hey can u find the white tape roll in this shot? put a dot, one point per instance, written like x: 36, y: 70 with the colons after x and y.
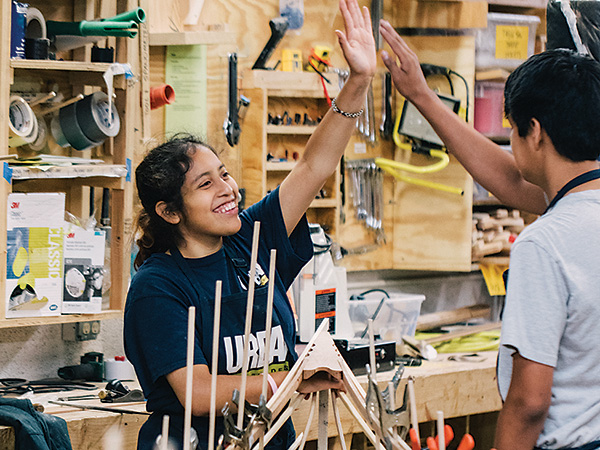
x: 41, y: 139
x: 21, y: 122
x: 36, y: 24
x: 119, y: 370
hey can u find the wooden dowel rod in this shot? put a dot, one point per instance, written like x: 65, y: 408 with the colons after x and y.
x: 269, y: 320
x: 392, y: 397
x: 372, y: 361
x: 313, y: 407
x: 338, y: 421
x: 283, y: 417
x: 62, y: 104
x: 189, y: 379
x: 413, y: 406
x: 215, y: 366
x: 248, y: 325
x: 42, y: 99
x: 440, y: 431
x: 164, y: 436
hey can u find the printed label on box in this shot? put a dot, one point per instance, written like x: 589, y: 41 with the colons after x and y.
x: 34, y: 254
x: 84, y: 271
x: 34, y: 272
x: 511, y: 42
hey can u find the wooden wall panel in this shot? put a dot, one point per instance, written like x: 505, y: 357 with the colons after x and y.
x: 432, y: 229
x: 432, y: 14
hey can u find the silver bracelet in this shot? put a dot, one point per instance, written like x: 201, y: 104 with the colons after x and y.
x: 352, y: 115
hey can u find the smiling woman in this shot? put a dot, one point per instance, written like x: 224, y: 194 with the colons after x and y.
x: 191, y: 235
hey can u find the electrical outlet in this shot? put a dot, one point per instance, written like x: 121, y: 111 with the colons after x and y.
x: 81, y: 331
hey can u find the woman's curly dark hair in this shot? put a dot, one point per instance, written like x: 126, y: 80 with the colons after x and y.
x: 159, y: 178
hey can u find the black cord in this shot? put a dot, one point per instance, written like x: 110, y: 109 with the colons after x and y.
x: 467, y: 89
x: 449, y: 78
x: 319, y: 249
x: 375, y: 290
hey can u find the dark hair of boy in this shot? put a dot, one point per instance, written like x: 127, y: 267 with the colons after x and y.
x: 561, y: 89
x: 159, y: 178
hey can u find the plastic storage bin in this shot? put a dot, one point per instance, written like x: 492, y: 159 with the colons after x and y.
x: 489, y: 110
x: 397, y: 316
x: 508, y: 40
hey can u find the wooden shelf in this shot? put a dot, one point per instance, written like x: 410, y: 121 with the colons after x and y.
x: 66, y: 318
x: 520, y: 3
x: 79, y: 73
x: 324, y: 203
x: 192, y: 38
x: 75, y: 171
x: 72, y: 66
x: 280, y: 166
x: 492, y: 75
x: 290, y: 84
x: 291, y: 129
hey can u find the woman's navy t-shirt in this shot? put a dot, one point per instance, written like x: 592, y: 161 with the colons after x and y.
x: 156, y: 313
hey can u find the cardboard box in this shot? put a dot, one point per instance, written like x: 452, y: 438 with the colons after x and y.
x: 84, y: 270
x: 34, y: 272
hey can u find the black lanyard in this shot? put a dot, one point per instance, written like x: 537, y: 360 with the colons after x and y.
x: 577, y: 181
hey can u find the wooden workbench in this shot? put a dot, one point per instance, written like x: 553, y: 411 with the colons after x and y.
x: 458, y: 388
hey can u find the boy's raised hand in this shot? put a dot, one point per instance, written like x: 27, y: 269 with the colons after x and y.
x: 357, y: 41
x: 406, y: 72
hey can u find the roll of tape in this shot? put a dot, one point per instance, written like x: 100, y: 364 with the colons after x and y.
x: 35, y: 27
x: 41, y: 138
x: 95, y: 118
x: 71, y: 130
x: 118, y: 370
x: 34, y: 131
x: 21, y: 122
x: 37, y: 48
x: 57, y: 132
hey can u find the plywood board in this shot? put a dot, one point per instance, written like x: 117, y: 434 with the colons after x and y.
x: 432, y: 229
x: 442, y: 14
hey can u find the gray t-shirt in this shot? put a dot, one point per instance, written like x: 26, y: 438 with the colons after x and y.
x: 552, y: 315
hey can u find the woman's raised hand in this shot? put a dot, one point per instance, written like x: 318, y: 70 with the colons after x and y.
x: 404, y: 67
x: 357, y: 40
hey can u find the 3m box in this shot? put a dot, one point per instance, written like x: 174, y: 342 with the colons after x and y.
x: 84, y: 270
x: 508, y: 40
x: 34, y: 271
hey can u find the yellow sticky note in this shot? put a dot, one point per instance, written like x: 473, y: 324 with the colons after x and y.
x: 511, y: 42
x: 492, y: 274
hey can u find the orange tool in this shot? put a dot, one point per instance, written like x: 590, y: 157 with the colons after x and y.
x: 448, y: 436
x: 466, y: 443
x: 432, y: 444
x: 414, y: 440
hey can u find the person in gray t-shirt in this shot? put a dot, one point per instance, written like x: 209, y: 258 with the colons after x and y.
x: 549, y: 361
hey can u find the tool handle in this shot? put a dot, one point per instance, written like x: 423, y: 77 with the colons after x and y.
x: 448, y: 435
x: 92, y: 28
x: 467, y: 443
x: 138, y: 15
x: 278, y: 26
x: 432, y: 444
x: 415, y: 444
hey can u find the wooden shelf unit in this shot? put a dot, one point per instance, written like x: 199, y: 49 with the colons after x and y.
x: 73, y: 75
x: 276, y: 92
x: 191, y: 38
